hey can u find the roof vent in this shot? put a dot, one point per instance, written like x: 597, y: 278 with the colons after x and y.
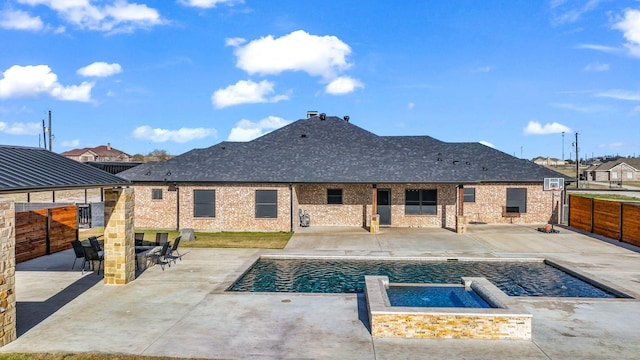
x: 323, y: 116
x: 346, y: 118
x: 303, y: 135
x: 456, y: 162
x: 311, y: 114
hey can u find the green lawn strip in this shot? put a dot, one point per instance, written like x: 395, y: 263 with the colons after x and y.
x: 262, y: 240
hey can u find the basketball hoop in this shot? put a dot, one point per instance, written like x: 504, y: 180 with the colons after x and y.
x: 556, y: 191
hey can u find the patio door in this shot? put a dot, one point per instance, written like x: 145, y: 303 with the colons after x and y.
x: 384, y: 206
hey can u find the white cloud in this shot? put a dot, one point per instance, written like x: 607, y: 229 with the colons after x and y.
x: 601, y: 48
x: 20, y: 20
x: 629, y: 24
x: 118, y: 16
x: 33, y: 80
x: 206, y: 4
x: 100, y: 69
x: 20, y: 128
x: 246, y: 130
x: 482, y: 69
x: 486, y: 143
x: 535, y: 128
x: 620, y: 95
x: 324, y: 56
x: 596, y: 66
x: 343, y: 85
x: 563, y: 14
x: 591, y: 108
x: 245, y: 92
x: 71, y: 143
x: 410, y: 105
x: 181, y: 135
x: 234, y: 42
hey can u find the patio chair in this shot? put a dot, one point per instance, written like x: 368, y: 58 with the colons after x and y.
x: 94, y: 242
x: 139, y: 239
x: 79, y: 252
x: 91, y: 255
x: 173, y: 253
x: 161, y: 238
x: 160, y: 258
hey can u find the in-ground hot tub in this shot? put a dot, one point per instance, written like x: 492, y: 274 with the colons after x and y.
x: 476, y: 309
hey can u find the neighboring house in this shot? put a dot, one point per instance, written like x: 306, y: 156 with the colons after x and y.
x: 102, y: 153
x: 548, y: 161
x: 338, y: 173
x: 619, y: 170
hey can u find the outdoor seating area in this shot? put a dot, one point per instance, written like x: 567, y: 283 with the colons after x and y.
x: 148, y: 253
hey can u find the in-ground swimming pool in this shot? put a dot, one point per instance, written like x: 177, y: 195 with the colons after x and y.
x: 311, y: 275
x: 435, y: 296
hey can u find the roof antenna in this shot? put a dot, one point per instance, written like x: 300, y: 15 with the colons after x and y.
x: 323, y: 116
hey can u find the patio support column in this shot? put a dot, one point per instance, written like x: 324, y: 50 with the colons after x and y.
x: 7, y: 272
x: 374, y: 227
x: 460, y: 219
x: 119, y: 251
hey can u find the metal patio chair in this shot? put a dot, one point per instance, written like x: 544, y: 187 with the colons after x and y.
x: 79, y: 252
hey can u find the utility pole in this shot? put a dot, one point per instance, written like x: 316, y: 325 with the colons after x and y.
x: 563, y: 159
x: 577, y: 164
x: 50, y: 134
x: 44, y: 134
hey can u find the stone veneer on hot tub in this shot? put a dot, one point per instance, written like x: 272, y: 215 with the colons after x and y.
x: 506, y: 320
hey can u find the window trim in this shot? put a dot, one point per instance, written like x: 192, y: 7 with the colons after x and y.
x: 471, y: 195
x: 155, y: 192
x: 196, y: 214
x: 264, y: 204
x: 425, y: 205
x: 337, y: 198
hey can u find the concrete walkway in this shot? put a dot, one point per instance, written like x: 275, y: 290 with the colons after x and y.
x: 183, y: 311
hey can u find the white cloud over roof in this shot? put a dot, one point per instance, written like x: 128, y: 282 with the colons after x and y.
x: 206, y: 4
x: 113, y: 17
x: 20, y: 128
x: 246, y: 130
x: 298, y: 51
x: 100, y: 69
x: 35, y: 80
x: 343, y: 85
x: 181, y: 135
x: 629, y: 24
x: 535, y: 128
x: 246, y: 92
x: 20, y: 20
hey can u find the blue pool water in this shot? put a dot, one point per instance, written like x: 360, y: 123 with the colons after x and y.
x: 435, y: 296
x: 532, y: 278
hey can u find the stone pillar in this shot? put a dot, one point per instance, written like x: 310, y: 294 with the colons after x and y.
x: 7, y: 272
x: 119, y: 250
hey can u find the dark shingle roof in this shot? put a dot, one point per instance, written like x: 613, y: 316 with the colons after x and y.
x: 32, y: 169
x: 334, y: 150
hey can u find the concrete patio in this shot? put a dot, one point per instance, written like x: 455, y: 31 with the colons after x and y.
x: 183, y: 311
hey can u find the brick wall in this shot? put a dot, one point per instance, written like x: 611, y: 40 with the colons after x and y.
x: 235, y: 206
x: 491, y: 198
x: 7, y: 273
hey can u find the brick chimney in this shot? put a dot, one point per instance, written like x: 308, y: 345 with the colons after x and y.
x: 108, y: 146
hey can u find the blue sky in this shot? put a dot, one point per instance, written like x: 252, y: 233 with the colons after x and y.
x: 183, y: 74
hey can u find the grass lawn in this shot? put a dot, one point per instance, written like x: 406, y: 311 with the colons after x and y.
x: 262, y: 240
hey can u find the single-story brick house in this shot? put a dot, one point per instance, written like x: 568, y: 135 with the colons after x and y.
x: 620, y: 170
x: 340, y: 174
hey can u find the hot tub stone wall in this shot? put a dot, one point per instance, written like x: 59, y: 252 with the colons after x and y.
x: 7, y: 272
x: 447, y: 326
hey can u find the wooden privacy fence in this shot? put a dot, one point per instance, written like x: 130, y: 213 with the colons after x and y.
x: 613, y: 219
x: 45, y: 231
